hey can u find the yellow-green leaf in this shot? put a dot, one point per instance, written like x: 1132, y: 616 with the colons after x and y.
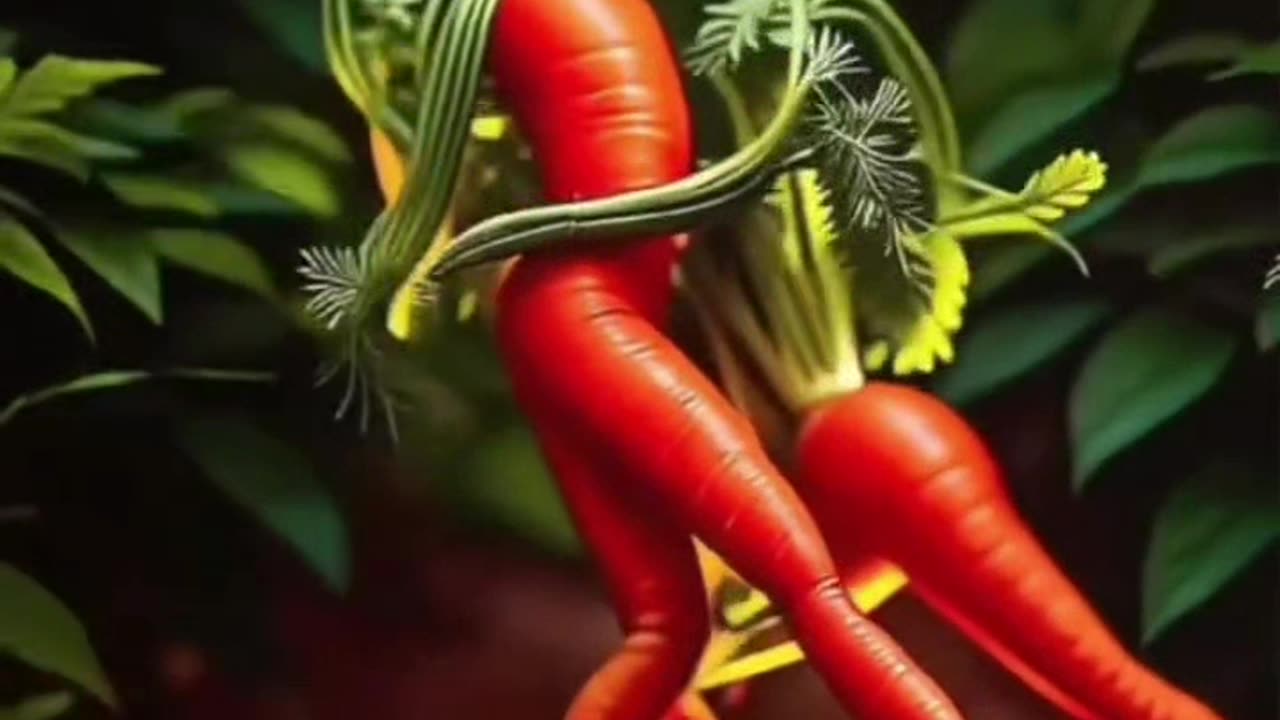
x: 1143, y: 373
x: 287, y: 173
x: 57, y: 80
x: 38, y: 629
x: 160, y: 192
x: 301, y: 129
x: 214, y: 254
x: 22, y: 255
x: 1208, y: 530
x: 125, y: 260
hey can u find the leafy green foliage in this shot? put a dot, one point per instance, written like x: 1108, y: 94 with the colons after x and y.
x: 213, y: 254
x: 28, y: 99
x: 147, y: 191
x: 1143, y: 373
x: 38, y: 629
x: 125, y: 261
x: 1211, y: 143
x: 1183, y: 253
x: 1242, y: 56
x: 1014, y: 341
x: 275, y: 484
x: 1209, y: 529
x: 22, y: 256
x: 732, y: 29
x: 1205, y: 146
x: 287, y: 173
x: 50, y: 116
x: 41, y: 707
x: 1069, y: 58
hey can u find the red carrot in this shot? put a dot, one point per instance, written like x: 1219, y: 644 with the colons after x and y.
x: 646, y: 449
x: 895, y: 472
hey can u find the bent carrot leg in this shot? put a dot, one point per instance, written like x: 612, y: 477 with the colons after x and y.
x: 632, y: 394
x: 927, y: 495
x: 654, y: 580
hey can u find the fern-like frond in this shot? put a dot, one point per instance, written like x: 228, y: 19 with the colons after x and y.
x: 1068, y: 183
x: 868, y: 155
x: 335, y: 278
x: 732, y: 28
x: 831, y: 57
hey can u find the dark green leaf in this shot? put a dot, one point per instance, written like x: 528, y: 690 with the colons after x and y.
x: 189, y: 106
x: 125, y: 260
x: 57, y: 80
x: 1070, y: 56
x: 1029, y: 117
x: 1267, y: 329
x: 1144, y: 372
x: 214, y: 254
x: 979, y: 76
x: 286, y: 173
x: 1213, y: 142
x: 236, y: 199
x: 160, y: 192
x: 275, y: 484
x: 22, y: 255
x: 109, y: 118
x: 1109, y: 27
x: 1262, y: 60
x: 1209, y: 529
x: 507, y: 481
x: 1015, y: 341
x: 1197, y: 49
x: 41, y: 707
x: 296, y: 27
x: 1177, y: 256
x: 38, y: 629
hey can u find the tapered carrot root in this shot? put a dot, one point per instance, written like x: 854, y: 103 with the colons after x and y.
x: 578, y: 333
x: 653, y: 578
x: 895, y: 472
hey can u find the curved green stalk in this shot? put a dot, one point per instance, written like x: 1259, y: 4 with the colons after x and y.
x: 677, y: 206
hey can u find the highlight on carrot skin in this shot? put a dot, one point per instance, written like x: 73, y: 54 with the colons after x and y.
x: 639, y: 360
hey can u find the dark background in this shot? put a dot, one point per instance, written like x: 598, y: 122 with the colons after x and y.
x: 471, y: 611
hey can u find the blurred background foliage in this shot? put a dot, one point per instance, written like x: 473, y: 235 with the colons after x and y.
x: 166, y: 465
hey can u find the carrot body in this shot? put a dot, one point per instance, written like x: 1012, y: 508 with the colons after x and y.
x: 625, y: 419
x: 895, y: 472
